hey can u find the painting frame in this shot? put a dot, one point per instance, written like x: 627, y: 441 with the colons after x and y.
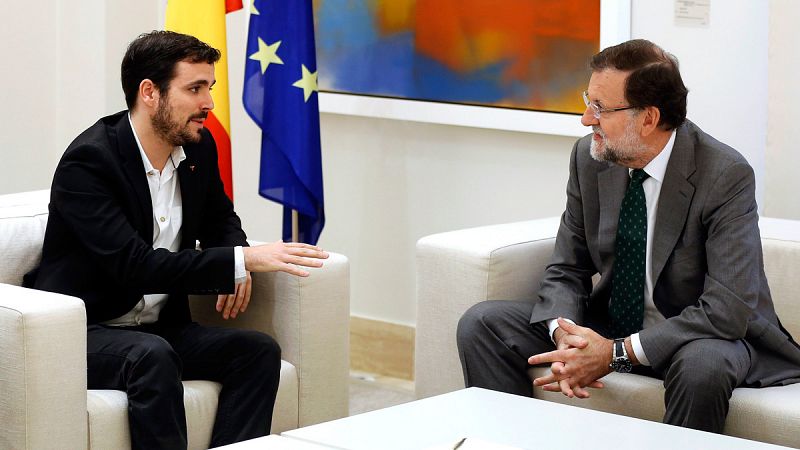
x: 615, y: 27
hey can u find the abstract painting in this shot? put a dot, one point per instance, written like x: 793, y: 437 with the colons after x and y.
x: 524, y: 54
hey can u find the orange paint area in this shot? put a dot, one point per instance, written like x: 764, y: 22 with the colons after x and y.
x: 527, y: 36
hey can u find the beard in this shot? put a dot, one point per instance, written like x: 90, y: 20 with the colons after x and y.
x: 625, y: 150
x: 171, y: 130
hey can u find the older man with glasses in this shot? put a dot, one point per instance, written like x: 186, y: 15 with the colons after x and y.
x: 666, y: 216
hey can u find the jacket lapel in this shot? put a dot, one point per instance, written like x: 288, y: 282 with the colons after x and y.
x: 673, y: 201
x: 611, y: 186
x: 134, y: 171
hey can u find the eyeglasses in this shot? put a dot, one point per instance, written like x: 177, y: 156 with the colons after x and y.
x: 597, y: 110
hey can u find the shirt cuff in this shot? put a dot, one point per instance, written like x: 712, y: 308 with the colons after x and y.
x: 638, y: 350
x: 552, y: 324
x: 239, y: 273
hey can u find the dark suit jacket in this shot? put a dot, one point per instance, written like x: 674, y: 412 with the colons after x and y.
x: 707, y: 261
x: 98, y: 245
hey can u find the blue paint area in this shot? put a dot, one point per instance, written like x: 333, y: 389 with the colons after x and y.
x: 341, y: 27
x: 436, y: 81
x: 381, y: 67
x: 390, y: 67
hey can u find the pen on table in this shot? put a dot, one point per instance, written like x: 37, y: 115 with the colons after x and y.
x: 459, y: 443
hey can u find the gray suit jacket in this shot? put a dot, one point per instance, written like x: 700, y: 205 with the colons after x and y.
x: 707, y: 261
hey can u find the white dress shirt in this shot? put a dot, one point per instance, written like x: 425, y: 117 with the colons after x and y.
x: 652, y: 190
x: 165, y: 195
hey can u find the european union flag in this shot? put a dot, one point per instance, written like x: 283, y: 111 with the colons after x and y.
x: 280, y: 85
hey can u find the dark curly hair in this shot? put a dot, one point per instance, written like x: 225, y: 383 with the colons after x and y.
x: 654, y: 80
x: 154, y: 56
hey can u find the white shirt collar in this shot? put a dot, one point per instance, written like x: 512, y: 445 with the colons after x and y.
x: 657, y: 167
x: 177, y: 154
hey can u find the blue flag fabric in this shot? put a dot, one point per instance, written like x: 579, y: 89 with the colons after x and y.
x: 280, y: 95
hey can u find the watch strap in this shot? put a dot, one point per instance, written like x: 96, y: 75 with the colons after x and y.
x: 619, y: 348
x: 619, y: 357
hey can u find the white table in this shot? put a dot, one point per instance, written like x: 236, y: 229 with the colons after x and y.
x: 271, y: 442
x: 508, y: 420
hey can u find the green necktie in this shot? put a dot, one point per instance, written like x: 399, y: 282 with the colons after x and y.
x: 628, y: 283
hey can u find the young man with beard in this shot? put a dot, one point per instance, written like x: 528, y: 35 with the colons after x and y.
x: 666, y: 216
x: 130, y: 198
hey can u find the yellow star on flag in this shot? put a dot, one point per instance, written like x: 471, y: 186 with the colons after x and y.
x: 308, y: 83
x: 253, y: 9
x: 267, y: 54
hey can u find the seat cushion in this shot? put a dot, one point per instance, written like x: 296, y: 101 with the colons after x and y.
x: 108, y: 412
x: 629, y: 395
x: 108, y: 416
x: 767, y: 414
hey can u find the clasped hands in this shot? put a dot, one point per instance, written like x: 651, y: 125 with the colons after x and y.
x: 273, y: 257
x: 581, y: 358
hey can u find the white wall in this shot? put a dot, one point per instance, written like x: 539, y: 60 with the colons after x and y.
x: 387, y: 183
x: 783, y: 154
x: 61, y: 73
x: 28, y: 79
x: 393, y: 182
x: 724, y: 66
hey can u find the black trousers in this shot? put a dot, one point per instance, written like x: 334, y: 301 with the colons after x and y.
x: 495, y: 339
x: 148, y: 362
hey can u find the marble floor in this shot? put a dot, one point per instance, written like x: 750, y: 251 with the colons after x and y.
x: 369, y: 392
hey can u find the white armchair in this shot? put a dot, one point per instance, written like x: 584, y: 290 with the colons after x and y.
x: 460, y: 268
x: 45, y: 404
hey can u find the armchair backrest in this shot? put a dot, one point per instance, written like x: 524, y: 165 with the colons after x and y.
x: 23, y: 218
x: 780, y: 239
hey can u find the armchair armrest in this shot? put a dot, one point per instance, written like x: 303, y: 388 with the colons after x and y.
x: 458, y: 269
x: 310, y: 319
x: 42, y: 370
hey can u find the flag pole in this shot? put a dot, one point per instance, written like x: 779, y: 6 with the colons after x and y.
x: 295, y: 226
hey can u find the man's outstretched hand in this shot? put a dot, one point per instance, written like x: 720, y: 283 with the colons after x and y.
x: 274, y: 257
x: 581, y: 358
x: 283, y: 257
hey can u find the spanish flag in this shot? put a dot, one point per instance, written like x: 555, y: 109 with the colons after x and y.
x: 205, y: 20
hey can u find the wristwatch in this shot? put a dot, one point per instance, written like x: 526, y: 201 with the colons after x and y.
x: 619, y: 358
